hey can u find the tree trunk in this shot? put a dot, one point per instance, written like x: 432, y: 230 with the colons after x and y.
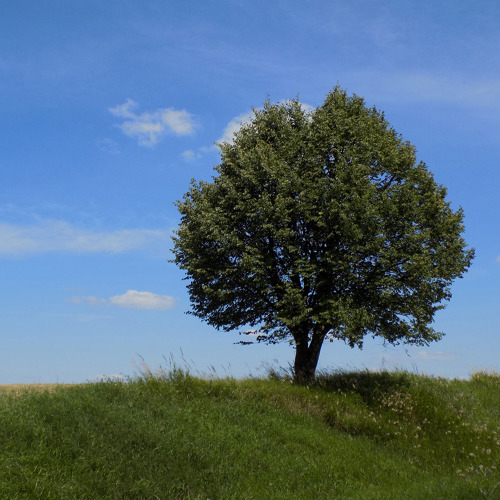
x: 306, y: 357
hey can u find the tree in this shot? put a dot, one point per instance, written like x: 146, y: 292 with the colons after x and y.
x: 319, y: 226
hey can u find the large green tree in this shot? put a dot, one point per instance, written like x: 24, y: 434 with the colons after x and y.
x: 320, y: 225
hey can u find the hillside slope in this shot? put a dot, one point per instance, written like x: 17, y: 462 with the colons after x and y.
x: 355, y: 435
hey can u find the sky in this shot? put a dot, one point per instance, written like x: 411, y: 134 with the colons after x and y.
x: 109, y: 109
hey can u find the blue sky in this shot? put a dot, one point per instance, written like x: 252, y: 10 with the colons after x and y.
x: 108, y: 109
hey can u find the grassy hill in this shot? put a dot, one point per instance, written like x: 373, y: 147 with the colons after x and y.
x: 355, y: 435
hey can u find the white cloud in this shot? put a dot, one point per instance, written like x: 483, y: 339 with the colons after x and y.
x: 149, y: 127
x: 124, y: 110
x: 234, y: 125
x: 60, y: 236
x: 131, y: 299
x: 307, y: 108
x: 190, y: 156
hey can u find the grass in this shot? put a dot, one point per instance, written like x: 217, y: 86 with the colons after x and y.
x: 358, y: 435
x: 19, y: 389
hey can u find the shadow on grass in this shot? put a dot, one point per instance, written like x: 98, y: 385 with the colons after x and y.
x: 369, y: 385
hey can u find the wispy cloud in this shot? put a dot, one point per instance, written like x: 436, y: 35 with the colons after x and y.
x: 190, y: 156
x: 89, y: 300
x: 60, y: 236
x: 149, y: 127
x: 107, y: 145
x: 131, y: 299
x: 432, y: 87
x: 412, y: 355
x: 434, y: 356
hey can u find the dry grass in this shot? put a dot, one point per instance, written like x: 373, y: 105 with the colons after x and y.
x: 22, y: 388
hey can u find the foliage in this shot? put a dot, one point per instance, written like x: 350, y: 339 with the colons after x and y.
x: 320, y: 225
x: 349, y: 435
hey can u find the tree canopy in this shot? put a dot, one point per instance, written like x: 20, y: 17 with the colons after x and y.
x: 320, y: 225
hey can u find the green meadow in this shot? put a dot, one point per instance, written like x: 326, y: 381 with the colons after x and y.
x: 170, y: 435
